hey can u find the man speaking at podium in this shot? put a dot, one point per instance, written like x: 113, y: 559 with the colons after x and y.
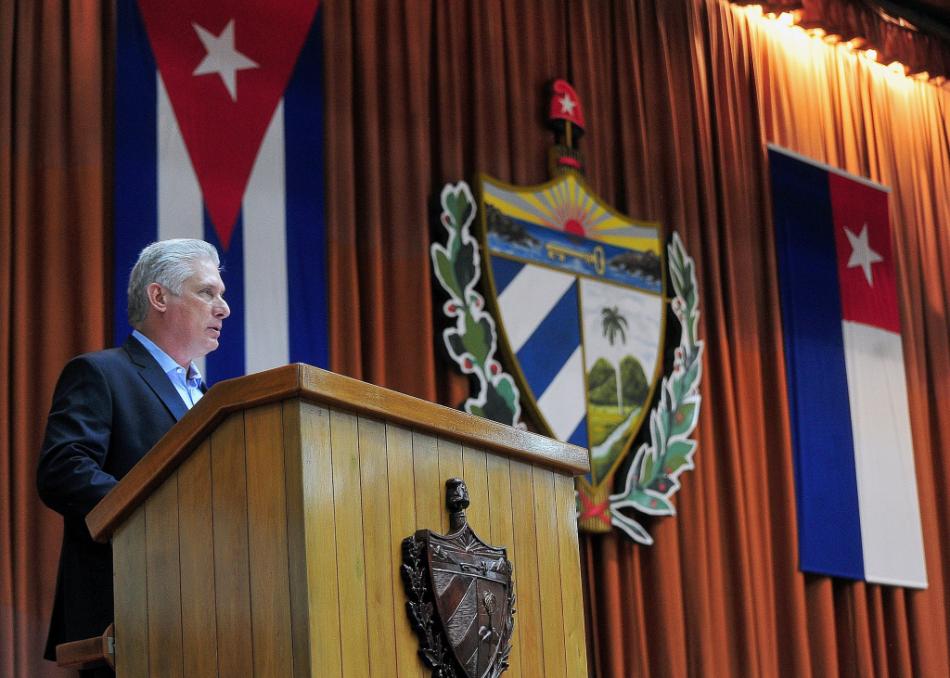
x: 110, y: 407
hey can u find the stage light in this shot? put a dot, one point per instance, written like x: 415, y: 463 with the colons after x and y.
x: 897, y: 68
x: 775, y: 22
x: 787, y: 19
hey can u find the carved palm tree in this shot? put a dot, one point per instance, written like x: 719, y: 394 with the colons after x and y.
x: 614, y: 324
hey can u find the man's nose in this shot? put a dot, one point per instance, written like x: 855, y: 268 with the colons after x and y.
x: 222, y: 310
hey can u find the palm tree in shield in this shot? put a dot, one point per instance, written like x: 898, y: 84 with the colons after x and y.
x: 614, y: 324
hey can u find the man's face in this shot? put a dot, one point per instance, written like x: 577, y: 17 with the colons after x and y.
x: 195, y: 316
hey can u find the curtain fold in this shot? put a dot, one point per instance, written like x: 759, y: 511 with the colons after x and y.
x: 680, y: 98
x: 55, y: 60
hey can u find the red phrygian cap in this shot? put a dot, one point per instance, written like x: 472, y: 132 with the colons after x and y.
x: 565, y: 104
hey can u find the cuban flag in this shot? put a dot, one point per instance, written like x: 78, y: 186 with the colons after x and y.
x: 219, y: 136
x: 858, y: 513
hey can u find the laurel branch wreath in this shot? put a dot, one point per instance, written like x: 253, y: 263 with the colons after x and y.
x: 422, y: 609
x: 473, y: 341
x: 653, y: 476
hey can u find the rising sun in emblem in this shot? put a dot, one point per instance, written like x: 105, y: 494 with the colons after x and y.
x: 569, y: 206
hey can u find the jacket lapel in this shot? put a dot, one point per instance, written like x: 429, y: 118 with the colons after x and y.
x: 157, y: 380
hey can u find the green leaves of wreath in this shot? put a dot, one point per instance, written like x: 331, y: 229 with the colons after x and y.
x: 473, y: 341
x: 653, y: 477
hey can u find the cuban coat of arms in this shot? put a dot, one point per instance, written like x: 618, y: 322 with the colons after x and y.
x: 577, y: 308
x: 461, y: 596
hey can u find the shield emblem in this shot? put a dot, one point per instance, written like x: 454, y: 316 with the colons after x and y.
x: 469, y: 584
x: 578, y: 291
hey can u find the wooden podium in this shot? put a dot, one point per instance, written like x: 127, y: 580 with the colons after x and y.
x: 262, y: 536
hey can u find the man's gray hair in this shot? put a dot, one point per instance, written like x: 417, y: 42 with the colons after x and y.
x: 168, y: 263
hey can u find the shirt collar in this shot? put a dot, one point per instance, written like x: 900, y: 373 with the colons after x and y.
x: 165, y: 361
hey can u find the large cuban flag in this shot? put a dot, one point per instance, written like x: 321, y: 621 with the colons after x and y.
x: 858, y: 514
x: 219, y: 136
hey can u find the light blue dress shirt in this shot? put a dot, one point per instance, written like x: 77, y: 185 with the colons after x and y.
x: 188, y: 384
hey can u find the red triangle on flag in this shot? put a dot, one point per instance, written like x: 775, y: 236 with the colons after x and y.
x: 225, y: 65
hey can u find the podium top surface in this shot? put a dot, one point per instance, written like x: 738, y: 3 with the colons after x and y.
x: 319, y: 386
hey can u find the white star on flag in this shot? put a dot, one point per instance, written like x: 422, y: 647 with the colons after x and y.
x: 567, y: 104
x: 861, y: 253
x: 222, y: 58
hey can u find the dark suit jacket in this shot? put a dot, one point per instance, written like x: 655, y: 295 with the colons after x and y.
x: 109, y: 409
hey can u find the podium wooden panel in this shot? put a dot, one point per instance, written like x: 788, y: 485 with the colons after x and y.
x: 262, y: 536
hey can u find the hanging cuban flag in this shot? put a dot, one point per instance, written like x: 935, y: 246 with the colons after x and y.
x: 856, y: 489
x: 219, y: 136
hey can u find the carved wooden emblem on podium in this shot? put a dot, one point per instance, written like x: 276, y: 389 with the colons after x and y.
x: 461, y: 596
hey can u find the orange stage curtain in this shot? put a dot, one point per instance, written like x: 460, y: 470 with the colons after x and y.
x: 680, y: 97
x: 719, y: 594
x: 55, y: 148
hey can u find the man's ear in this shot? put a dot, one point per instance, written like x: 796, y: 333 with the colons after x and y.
x: 157, y: 297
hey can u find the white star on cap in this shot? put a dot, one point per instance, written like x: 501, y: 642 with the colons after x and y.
x: 861, y: 253
x: 567, y: 104
x: 222, y: 58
